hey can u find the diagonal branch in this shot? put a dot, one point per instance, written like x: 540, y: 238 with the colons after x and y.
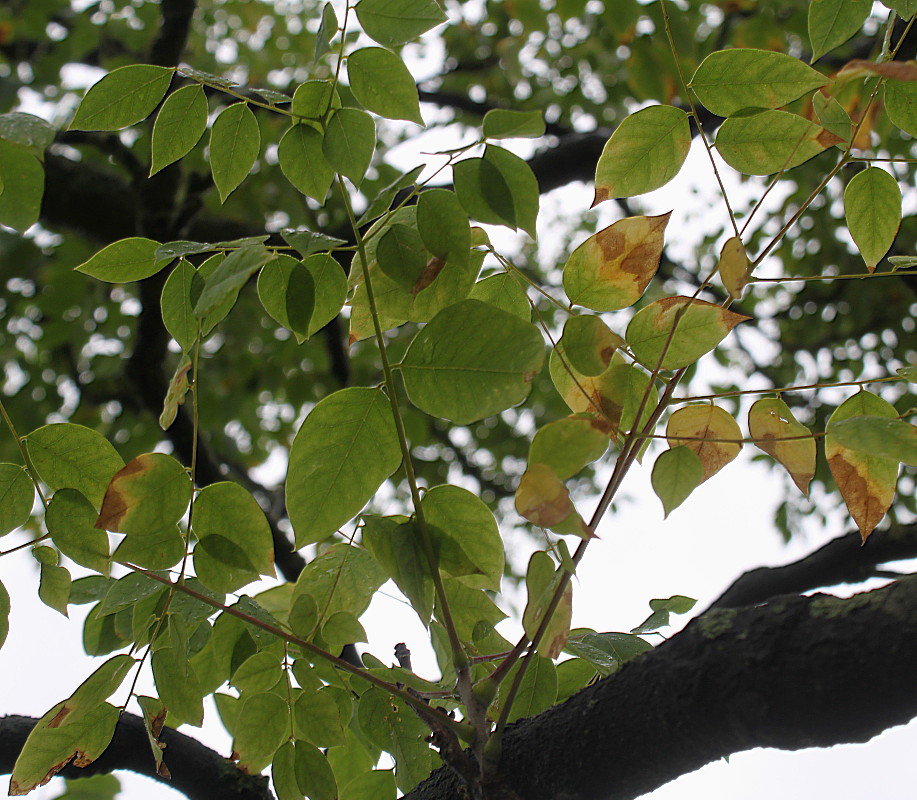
x: 798, y: 672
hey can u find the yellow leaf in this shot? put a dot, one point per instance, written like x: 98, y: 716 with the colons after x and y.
x: 733, y: 267
x: 543, y: 500
x: 709, y: 431
x: 769, y: 422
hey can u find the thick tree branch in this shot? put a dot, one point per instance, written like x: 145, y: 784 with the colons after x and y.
x: 197, y: 771
x: 842, y: 560
x: 799, y: 672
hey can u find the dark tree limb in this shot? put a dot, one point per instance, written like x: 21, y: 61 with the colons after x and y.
x: 197, y: 771
x: 842, y: 560
x: 798, y: 672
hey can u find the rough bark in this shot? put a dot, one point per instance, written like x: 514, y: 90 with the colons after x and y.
x: 797, y: 672
x: 197, y: 771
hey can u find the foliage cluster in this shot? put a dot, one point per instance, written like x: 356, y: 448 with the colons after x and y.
x: 453, y: 340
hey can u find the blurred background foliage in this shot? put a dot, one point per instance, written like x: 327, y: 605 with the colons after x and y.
x: 69, y: 344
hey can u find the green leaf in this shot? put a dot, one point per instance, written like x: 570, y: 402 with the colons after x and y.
x: 541, y: 583
x: 699, y: 327
x: 384, y: 199
x: 833, y: 22
x: 728, y: 81
x: 262, y: 726
x: 612, y: 268
x: 401, y: 255
x: 313, y: 99
x: 383, y: 84
x: 235, y: 141
x: 124, y: 97
x: 470, y: 607
x: 676, y: 473
x: 70, y: 519
x: 48, y: 749
x: 22, y: 180
x: 283, y: 769
x: 150, y: 493
x: 179, y: 125
x: 71, y: 456
x: 128, y: 591
x: 903, y: 8
x: 124, y: 261
x: 27, y: 130
x: 645, y: 152
x: 303, y: 615
x: 872, y: 207
x: 443, y: 226
x: 498, y: 189
x: 343, y: 578
x: 4, y: 613
x: 607, y: 651
x: 327, y: 30
x: 588, y: 344
x: 379, y: 784
x: 396, y: 546
x: 346, y: 447
x: 222, y: 286
x: 567, y: 445
x: 54, y: 587
x: 303, y: 162
x: 152, y: 549
x: 348, y: 143
x: 505, y: 292
x: 228, y: 512
x: 330, y: 290
x: 465, y: 535
x: 16, y: 497
x: 537, y: 689
x: 318, y: 717
x: 394, y: 22
x: 178, y: 686
x: 314, y: 775
x: 177, y: 306
x: 833, y: 117
x: 765, y: 143
x: 287, y: 292
x: 342, y: 628
x: 900, y: 105
x: 99, y: 686
x: 880, y: 437
x: 500, y: 123
x: 471, y: 361
x: 307, y: 242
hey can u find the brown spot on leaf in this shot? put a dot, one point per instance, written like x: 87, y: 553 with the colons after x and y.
x: 601, y: 195
x: 827, y: 139
x: 115, y: 505
x: 59, y: 717
x: 430, y: 271
x: 893, y: 70
x: 865, y: 505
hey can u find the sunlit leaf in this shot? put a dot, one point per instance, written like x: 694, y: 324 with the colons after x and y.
x: 70, y: 519
x: 676, y: 473
x: 698, y: 328
x: 343, y: 578
x: 346, y: 447
x: 148, y: 494
x: 124, y: 261
x: 612, y: 268
x: 470, y: 361
x: 177, y: 305
x: 770, y: 421
x: 866, y: 482
x: 72, y: 456
x: 644, y: 153
x: 733, y: 267
x: 383, y: 84
x: 543, y: 500
x: 501, y: 123
x: 878, y: 436
x: 222, y: 286
x: 728, y: 81
x: 709, y: 432
x: 765, y: 143
x: 567, y: 445
x: 901, y: 105
x: 394, y: 22
x: 123, y: 97
x: 903, y: 8
x: 505, y: 292
x: 872, y: 207
x: 833, y: 117
x: 833, y: 22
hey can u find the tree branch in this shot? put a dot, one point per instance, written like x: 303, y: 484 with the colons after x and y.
x: 798, y: 672
x: 842, y: 560
x: 197, y: 771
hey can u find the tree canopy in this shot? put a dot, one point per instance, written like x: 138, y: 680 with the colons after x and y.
x: 286, y: 296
